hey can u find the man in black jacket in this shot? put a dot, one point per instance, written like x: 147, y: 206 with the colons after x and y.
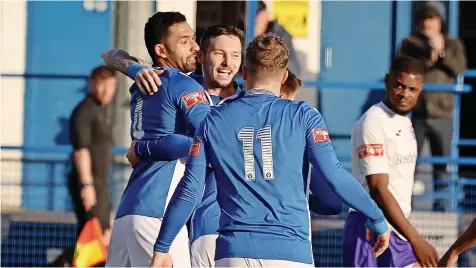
x: 444, y: 59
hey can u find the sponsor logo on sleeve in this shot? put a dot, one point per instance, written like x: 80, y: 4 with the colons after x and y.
x: 367, y: 150
x: 320, y: 135
x: 194, y: 149
x: 193, y: 98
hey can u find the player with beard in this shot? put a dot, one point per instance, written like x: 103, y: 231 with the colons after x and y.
x: 179, y: 108
x: 206, y: 216
x: 384, y: 152
x: 220, y: 56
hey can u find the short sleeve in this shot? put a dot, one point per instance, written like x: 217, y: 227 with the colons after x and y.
x: 369, y: 145
x: 80, y: 128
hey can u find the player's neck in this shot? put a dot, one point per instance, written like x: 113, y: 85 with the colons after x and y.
x: 274, y: 87
x: 214, y: 90
x: 161, y: 62
x: 393, y: 109
x: 222, y: 92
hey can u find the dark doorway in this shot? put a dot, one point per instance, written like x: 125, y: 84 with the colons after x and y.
x: 467, y: 32
x: 216, y: 12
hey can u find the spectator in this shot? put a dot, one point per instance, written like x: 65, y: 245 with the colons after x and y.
x: 444, y: 59
x: 263, y: 25
x: 91, y: 137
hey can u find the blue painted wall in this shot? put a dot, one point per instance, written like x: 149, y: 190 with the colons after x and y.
x: 363, y: 36
x: 63, y: 39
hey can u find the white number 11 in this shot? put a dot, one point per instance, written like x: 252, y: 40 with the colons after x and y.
x: 246, y: 135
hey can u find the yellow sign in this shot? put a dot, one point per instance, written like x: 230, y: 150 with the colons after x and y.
x: 293, y: 16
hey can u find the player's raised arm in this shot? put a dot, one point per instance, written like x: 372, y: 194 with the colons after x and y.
x: 187, y: 194
x: 139, y: 70
x: 322, y: 157
x: 118, y: 59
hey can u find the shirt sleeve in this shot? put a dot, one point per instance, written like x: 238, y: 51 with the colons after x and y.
x: 326, y: 165
x: 188, y: 193
x: 170, y: 147
x: 192, y: 101
x: 323, y: 200
x: 368, y: 141
x: 133, y: 68
x: 80, y: 128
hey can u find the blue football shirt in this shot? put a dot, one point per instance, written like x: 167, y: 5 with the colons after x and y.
x: 255, y: 145
x: 178, y: 107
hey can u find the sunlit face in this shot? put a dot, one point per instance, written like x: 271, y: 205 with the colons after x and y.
x: 403, y: 90
x: 104, y: 89
x: 221, y: 61
x: 431, y: 26
x: 180, y: 47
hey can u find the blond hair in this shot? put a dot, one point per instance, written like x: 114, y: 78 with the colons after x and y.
x: 266, y: 56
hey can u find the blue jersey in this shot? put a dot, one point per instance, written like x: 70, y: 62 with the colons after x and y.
x: 198, y: 78
x: 179, y: 107
x: 206, y: 216
x: 255, y: 145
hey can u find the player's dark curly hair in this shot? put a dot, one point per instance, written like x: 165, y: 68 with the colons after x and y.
x: 157, y: 28
x: 406, y: 64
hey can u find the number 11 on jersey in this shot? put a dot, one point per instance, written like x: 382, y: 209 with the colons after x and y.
x: 246, y: 135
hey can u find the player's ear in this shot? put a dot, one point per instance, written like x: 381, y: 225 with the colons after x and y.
x: 386, y: 80
x: 285, y: 76
x: 160, y: 51
x: 243, y: 72
x: 200, y: 56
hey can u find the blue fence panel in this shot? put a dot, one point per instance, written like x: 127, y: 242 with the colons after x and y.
x: 34, y: 237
